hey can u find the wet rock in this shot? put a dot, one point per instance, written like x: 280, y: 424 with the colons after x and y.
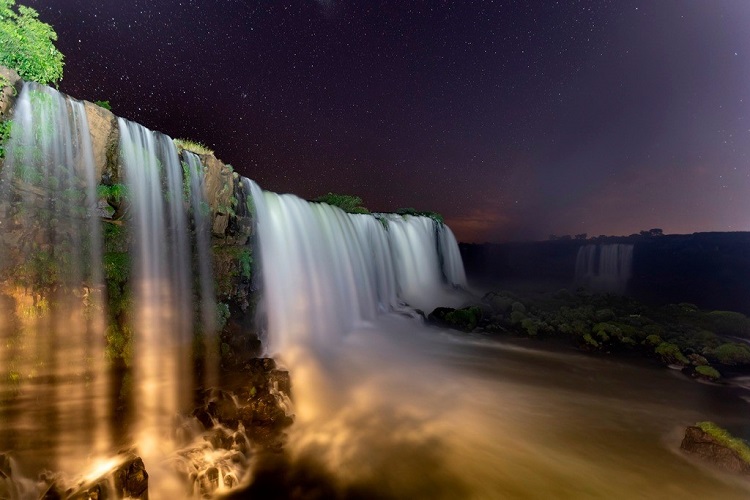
x: 281, y: 381
x: 708, y: 447
x: 131, y: 478
x: 204, y: 417
x: 223, y: 408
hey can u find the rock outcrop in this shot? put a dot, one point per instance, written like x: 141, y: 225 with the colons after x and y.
x: 719, y: 452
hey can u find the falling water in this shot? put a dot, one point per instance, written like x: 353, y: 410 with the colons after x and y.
x: 203, y: 257
x: 385, y: 408
x: 605, y: 268
x: 326, y: 272
x: 162, y: 282
x: 54, y: 382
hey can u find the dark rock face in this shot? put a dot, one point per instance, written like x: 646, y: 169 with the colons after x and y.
x: 131, y: 479
x: 704, y: 446
x: 257, y: 406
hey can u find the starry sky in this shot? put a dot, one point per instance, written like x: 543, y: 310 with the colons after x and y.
x: 514, y: 119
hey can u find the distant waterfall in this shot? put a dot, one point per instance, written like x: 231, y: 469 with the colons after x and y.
x: 51, y: 306
x: 605, y: 268
x: 326, y: 271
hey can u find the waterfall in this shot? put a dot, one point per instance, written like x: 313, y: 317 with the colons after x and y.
x: 203, y: 257
x: 605, y: 268
x: 326, y: 272
x: 53, y: 385
x: 162, y: 282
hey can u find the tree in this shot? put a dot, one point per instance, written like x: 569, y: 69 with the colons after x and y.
x: 26, y: 44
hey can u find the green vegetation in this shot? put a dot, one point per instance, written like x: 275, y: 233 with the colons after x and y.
x: 5, y: 129
x: 346, y: 202
x: 708, y: 372
x: 671, y: 354
x: 42, y: 270
x: 193, y: 146
x: 246, y: 263
x: 27, y: 44
x: 465, y: 319
x: 117, y: 267
x: 676, y: 334
x: 731, y: 354
x: 222, y: 315
x: 104, y: 104
x: 723, y: 437
x: 116, y: 192
x: 432, y: 215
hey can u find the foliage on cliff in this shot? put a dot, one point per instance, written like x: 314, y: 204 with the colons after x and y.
x: 346, y: 202
x: 27, y: 44
x: 425, y: 213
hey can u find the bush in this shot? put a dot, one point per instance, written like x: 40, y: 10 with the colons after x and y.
x: 729, y: 323
x: 730, y: 354
x: 27, y: 44
x: 347, y: 203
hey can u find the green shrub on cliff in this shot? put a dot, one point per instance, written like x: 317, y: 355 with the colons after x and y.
x: 426, y: 213
x: 194, y: 146
x: 5, y: 128
x: 26, y: 44
x: 346, y: 202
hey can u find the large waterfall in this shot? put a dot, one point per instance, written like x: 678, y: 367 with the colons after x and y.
x: 326, y: 272
x: 108, y: 308
x: 605, y: 268
x: 53, y: 379
x: 58, y: 348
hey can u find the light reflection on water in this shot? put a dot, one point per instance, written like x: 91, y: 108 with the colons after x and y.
x: 398, y: 410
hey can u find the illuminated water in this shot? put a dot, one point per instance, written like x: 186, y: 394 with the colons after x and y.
x: 52, y: 375
x: 388, y: 408
x: 385, y: 407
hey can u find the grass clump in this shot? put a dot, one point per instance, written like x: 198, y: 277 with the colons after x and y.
x: 723, y: 437
x: 194, y: 146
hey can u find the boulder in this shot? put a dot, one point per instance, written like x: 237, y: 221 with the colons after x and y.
x: 711, y: 447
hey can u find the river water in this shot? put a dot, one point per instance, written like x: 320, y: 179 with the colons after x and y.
x: 402, y: 411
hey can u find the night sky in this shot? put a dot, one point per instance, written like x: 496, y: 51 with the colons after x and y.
x: 515, y: 120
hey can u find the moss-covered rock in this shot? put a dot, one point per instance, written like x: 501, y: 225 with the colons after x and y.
x: 730, y: 354
x: 465, y: 319
x: 711, y: 443
x: 670, y: 354
x: 706, y: 372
